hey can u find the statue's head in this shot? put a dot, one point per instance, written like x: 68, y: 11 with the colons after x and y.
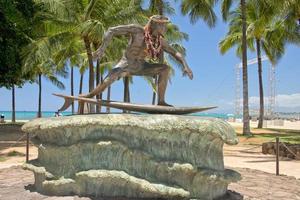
x: 154, y: 31
x: 158, y: 24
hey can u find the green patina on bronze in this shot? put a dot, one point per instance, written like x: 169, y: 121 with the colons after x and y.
x: 135, y: 156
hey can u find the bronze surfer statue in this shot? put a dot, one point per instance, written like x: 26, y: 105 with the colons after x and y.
x: 144, y: 43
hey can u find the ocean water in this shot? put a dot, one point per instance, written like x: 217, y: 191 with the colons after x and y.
x: 28, y: 115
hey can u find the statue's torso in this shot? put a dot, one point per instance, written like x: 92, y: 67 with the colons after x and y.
x: 136, y: 49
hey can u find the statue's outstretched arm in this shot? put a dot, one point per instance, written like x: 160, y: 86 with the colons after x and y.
x: 114, y: 31
x: 179, y: 57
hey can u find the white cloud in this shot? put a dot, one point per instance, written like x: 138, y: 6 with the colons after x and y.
x: 282, y: 100
x: 289, y: 101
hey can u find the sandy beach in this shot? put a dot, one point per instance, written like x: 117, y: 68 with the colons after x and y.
x: 271, y: 124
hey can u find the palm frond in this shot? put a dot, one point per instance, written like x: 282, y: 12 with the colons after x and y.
x: 55, y: 82
x: 226, y: 5
x: 200, y: 9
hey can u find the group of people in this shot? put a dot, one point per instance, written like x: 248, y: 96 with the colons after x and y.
x: 2, y: 116
x: 57, y: 114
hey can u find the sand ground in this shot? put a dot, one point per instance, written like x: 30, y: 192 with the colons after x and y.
x: 273, y: 124
x: 16, y: 184
x: 250, y: 156
x: 258, y: 170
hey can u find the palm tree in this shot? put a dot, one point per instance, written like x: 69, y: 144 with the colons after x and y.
x: 226, y: 5
x: 126, y: 97
x: 37, y: 60
x: 267, y: 31
x: 287, y: 8
x: 84, y: 20
x: 98, y: 81
x: 204, y: 10
x: 259, y: 19
x: 126, y: 82
x: 246, y: 118
x: 201, y: 9
x: 49, y: 71
x: 13, y: 100
x: 72, y: 87
x: 82, y: 68
x: 70, y: 54
x: 105, y: 67
x: 108, y: 98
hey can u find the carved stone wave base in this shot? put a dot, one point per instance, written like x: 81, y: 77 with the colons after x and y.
x: 134, y: 156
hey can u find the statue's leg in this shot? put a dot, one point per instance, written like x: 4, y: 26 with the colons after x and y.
x: 162, y: 85
x: 115, y: 74
x: 162, y: 70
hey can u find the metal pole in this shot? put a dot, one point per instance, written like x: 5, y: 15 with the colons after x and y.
x: 27, y: 147
x: 277, y: 156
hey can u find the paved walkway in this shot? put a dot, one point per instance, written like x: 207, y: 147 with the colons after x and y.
x: 15, y: 184
x: 250, y: 156
x: 258, y: 185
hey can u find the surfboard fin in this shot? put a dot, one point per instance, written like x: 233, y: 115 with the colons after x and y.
x: 66, y: 104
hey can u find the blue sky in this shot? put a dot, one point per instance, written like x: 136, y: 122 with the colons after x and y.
x: 213, y: 83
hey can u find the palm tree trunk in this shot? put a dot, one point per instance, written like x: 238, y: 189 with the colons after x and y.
x: 155, y: 78
x: 161, y: 56
x: 72, y: 87
x: 246, y: 123
x: 81, y: 83
x: 13, y: 95
x: 80, y: 107
x: 91, y: 69
x: 39, y: 114
x: 126, y: 91
x: 101, y: 94
x: 161, y: 7
x: 261, y: 89
x: 108, y: 99
x: 98, y: 79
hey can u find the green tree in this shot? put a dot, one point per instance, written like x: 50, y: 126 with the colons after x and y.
x: 267, y: 32
x: 49, y: 72
x: 38, y: 61
x: 287, y: 8
x: 246, y: 117
x: 84, y: 19
x: 70, y: 54
x: 202, y: 9
x: 15, y: 23
x: 38, y: 57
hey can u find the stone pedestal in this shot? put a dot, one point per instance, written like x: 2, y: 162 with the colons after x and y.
x: 134, y: 156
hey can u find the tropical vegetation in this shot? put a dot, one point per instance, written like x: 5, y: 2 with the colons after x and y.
x: 267, y: 33
x: 51, y: 38
x: 15, y: 20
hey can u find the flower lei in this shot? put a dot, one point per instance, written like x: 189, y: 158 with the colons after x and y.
x: 154, y: 44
